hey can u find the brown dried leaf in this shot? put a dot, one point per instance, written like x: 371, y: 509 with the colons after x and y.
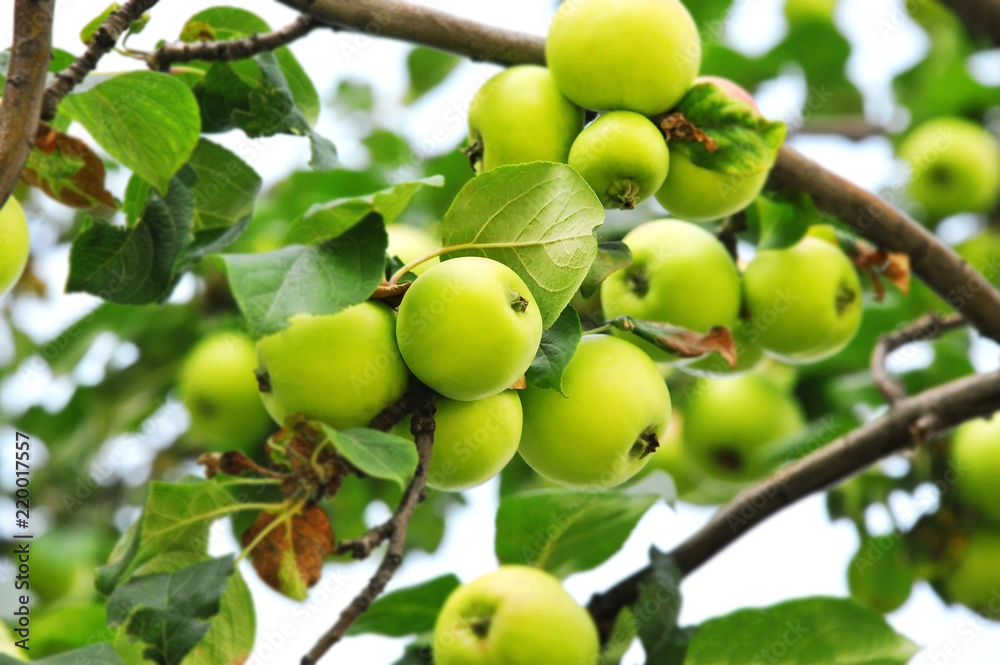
x: 65, y: 168
x: 680, y: 341
x: 392, y: 295
x: 879, y: 264
x: 291, y: 563
x: 520, y: 384
x: 676, y: 127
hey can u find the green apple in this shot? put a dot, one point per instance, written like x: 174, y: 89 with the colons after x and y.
x: 616, y: 408
x: 408, y: 243
x: 14, y: 246
x: 730, y: 425
x: 515, y: 615
x: 804, y: 302
x: 520, y: 116
x: 7, y: 646
x: 469, y: 328
x: 800, y: 12
x: 975, y: 451
x: 640, y: 55
x: 63, y: 562
x: 217, y: 385
x: 748, y: 356
x: 699, y: 194
x: 680, y: 274
x: 69, y: 627
x: 342, y: 369
x: 955, y: 167
x: 879, y: 575
x: 975, y: 581
x: 623, y: 157
x: 473, y: 441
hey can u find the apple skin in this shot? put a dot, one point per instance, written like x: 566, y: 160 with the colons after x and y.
x: 609, y: 55
x: 469, y: 328
x: 217, y: 385
x: 805, y: 301
x: 514, y: 615
x: 800, y: 12
x: 975, y: 580
x: 975, y: 451
x: 623, y: 157
x: 593, y: 437
x: 729, y: 424
x: 680, y: 274
x: 879, y: 576
x: 342, y: 369
x: 473, y: 441
x: 408, y: 243
x: 14, y: 245
x: 955, y: 167
x: 519, y: 116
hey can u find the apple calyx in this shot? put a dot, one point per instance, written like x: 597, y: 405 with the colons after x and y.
x: 729, y: 458
x: 626, y: 192
x: 646, y: 444
x: 263, y: 380
x: 638, y: 281
x: 845, y: 298
x: 676, y: 127
x: 518, y: 303
x: 475, y: 153
x: 480, y: 626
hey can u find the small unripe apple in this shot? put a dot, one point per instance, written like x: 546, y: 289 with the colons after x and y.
x: 520, y: 116
x: 217, y: 385
x: 730, y: 424
x: 515, y: 615
x: 623, y: 157
x: 473, y: 441
x: 699, y: 194
x: 342, y: 369
x: 639, y: 55
x: 14, y: 245
x: 804, y: 302
x: 955, y: 167
x: 408, y: 243
x: 975, y: 450
x: 469, y: 328
x: 680, y: 274
x: 616, y: 409
x: 879, y: 575
x: 975, y: 581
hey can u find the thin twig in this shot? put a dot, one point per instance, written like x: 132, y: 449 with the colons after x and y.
x: 727, y: 231
x: 25, y: 88
x: 945, y: 406
x: 103, y: 41
x: 926, y: 328
x: 362, y: 546
x: 422, y: 426
x: 235, y: 49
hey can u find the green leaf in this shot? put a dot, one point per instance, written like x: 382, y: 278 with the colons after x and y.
x: 226, y: 188
x: 418, y: 652
x: 318, y: 279
x: 538, y: 219
x: 556, y: 350
x: 566, y: 531
x: 148, y: 121
x: 427, y: 68
x: 169, y: 611
x: 611, y: 257
x: 747, y: 142
x: 377, y: 454
x: 330, y: 220
x: 815, y: 630
x: 407, y: 611
x: 175, y: 517
x: 138, y: 265
x: 95, y: 654
x: 777, y: 224
x: 660, y: 601
x: 87, y: 34
x: 624, y: 632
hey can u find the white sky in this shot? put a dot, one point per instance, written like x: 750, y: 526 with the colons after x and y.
x: 795, y: 554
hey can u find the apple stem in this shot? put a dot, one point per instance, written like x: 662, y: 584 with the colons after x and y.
x: 394, y: 280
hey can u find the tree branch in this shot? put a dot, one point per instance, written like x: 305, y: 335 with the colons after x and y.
x: 926, y: 328
x: 422, y: 427
x: 401, y: 20
x: 980, y: 15
x: 947, y: 406
x: 936, y: 264
x: 235, y: 49
x: 103, y: 41
x: 25, y: 87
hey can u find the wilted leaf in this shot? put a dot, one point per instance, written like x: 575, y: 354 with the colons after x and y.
x: 290, y: 562
x: 679, y: 341
x: 65, y: 168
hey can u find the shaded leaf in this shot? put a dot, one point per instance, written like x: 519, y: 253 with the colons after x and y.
x: 427, y: 68
x: 169, y: 611
x: 290, y: 562
x: 418, y: 652
x: 148, y: 121
x: 407, y: 611
x: 680, y: 341
x: 538, y: 219
x: 611, y: 257
x: 774, y: 223
x: 65, y: 168
x: 377, y: 454
x: 623, y: 633
x: 660, y: 600
x: 226, y: 188
x: 555, y: 351
x: 566, y: 531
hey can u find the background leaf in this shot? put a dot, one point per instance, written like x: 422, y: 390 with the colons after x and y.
x: 407, y: 611
x: 226, y: 188
x: 557, y: 348
x: 540, y: 220
x: 427, y: 68
x: 611, y: 257
x: 660, y: 603
x: 377, y: 454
